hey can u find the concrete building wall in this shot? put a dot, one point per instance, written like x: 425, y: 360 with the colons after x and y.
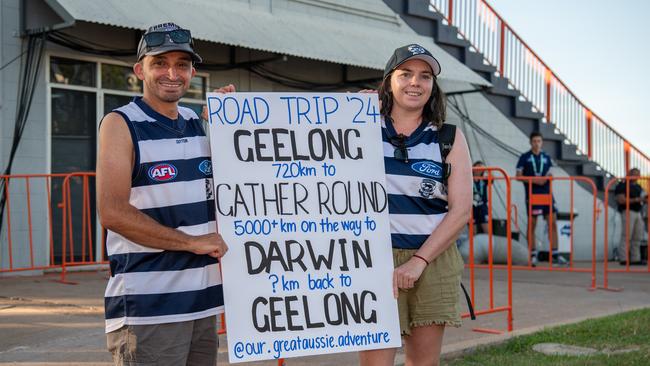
x: 31, y: 153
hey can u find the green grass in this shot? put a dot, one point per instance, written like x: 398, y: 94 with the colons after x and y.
x: 614, y: 332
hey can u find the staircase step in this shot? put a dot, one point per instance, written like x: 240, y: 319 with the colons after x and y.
x: 474, y: 61
x: 525, y: 110
x: 505, y: 103
x: 421, y: 9
x: 449, y: 35
x: 500, y: 86
x: 548, y: 131
x: 570, y: 153
x: 591, y: 169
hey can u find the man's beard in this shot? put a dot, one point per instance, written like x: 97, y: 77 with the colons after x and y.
x: 172, y: 98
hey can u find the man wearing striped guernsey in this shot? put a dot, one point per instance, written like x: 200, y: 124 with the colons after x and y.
x: 154, y: 185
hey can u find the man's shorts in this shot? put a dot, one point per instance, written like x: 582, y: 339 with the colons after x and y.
x: 435, y: 297
x: 191, y: 343
x: 480, y: 214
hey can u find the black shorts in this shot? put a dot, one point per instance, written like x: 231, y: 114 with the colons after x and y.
x: 480, y: 214
x: 540, y: 209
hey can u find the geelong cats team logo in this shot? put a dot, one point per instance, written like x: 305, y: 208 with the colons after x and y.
x: 416, y: 50
x: 431, y: 189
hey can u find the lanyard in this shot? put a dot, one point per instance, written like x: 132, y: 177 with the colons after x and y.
x: 541, y: 164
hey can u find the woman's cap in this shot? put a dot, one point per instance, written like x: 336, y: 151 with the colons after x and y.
x: 410, y: 52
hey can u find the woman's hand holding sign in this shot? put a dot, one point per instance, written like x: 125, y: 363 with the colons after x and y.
x: 407, y: 274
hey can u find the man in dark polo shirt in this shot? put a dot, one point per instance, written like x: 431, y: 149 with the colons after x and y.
x: 537, y: 165
x: 637, y: 199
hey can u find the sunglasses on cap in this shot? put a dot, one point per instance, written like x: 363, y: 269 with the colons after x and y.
x: 154, y: 39
x: 401, y: 152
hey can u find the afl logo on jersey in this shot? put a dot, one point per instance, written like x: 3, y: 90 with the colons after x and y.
x: 162, y: 172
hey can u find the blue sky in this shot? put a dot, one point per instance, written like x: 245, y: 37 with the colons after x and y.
x: 599, y: 48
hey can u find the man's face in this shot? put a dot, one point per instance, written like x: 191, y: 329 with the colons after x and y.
x: 167, y: 76
x: 634, y: 173
x: 536, y: 143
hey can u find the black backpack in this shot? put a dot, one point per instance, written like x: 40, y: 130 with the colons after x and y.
x: 446, y: 136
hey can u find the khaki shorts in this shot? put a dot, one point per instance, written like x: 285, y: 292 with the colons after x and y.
x: 435, y: 297
x: 191, y: 343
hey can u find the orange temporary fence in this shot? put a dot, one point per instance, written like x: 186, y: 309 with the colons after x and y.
x: 17, y: 212
x: 492, y: 308
x: 73, y: 241
x: 41, y: 222
x: 83, y: 207
x: 626, y: 235
x: 547, y: 200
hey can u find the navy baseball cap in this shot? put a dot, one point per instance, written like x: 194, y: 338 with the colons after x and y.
x: 166, y: 37
x: 410, y: 52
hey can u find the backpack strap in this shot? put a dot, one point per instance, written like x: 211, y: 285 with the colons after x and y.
x: 446, y: 137
x: 472, y: 314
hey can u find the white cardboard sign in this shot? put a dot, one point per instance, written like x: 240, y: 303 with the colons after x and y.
x: 300, y: 195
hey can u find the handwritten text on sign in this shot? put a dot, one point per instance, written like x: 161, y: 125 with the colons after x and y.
x: 301, y: 201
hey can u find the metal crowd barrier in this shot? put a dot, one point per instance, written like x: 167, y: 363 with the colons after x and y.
x: 42, y: 232
x: 491, y: 308
x: 627, y: 269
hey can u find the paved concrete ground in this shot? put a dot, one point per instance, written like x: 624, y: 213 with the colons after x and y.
x: 43, y: 322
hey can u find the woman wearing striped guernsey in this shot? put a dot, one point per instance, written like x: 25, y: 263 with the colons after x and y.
x: 154, y: 196
x: 425, y: 214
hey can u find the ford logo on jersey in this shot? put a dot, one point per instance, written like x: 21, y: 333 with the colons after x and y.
x: 206, y: 167
x: 428, y: 168
x: 162, y: 172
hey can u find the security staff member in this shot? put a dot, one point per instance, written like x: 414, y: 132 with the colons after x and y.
x: 537, y: 165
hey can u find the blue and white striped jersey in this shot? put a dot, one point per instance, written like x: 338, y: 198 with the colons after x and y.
x: 171, y: 183
x: 417, y: 199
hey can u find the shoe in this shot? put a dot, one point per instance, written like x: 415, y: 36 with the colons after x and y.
x: 639, y: 263
x: 560, y: 261
x: 533, y: 259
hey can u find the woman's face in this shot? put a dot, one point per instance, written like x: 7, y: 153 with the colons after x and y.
x: 411, y: 84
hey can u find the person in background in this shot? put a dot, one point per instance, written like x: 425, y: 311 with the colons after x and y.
x: 635, y: 226
x: 480, y: 209
x: 536, y: 164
